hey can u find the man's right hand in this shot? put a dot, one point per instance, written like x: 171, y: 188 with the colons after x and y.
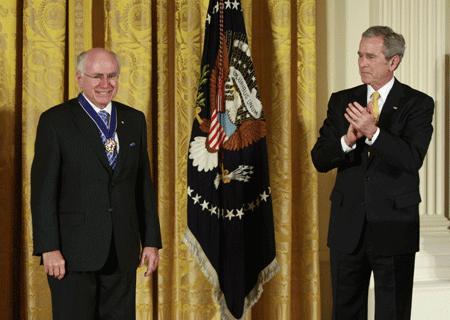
x: 351, y: 136
x: 54, y: 264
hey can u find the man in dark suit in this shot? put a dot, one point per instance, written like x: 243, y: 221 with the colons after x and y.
x: 92, y: 200
x: 378, y: 151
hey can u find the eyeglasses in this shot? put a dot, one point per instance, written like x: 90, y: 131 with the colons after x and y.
x: 100, y: 76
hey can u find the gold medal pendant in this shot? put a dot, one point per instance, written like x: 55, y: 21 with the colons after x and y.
x: 110, y: 145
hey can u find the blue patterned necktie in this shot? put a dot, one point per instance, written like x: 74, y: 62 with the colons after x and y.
x: 111, y: 155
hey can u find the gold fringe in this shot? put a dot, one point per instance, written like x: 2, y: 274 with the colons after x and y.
x: 265, y: 275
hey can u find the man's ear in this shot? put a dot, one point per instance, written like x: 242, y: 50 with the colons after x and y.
x: 394, y: 62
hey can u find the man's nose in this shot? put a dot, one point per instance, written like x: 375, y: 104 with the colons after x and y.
x: 362, y: 62
x: 104, y: 81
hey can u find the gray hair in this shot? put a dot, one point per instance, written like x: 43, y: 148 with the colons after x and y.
x: 394, y: 43
x: 81, y: 58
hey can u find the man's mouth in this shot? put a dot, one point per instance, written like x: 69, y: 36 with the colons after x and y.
x: 103, y: 93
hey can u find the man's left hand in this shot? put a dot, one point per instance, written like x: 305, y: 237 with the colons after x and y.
x: 361, y: 119
x: 150, y: 257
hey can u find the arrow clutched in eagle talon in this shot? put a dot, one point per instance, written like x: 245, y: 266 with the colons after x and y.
x: 197, y: 116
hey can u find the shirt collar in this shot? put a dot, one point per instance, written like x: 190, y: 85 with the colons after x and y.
x: 97, y: 109
x: 383, y: 91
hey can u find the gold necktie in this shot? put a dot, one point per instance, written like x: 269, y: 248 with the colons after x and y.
x: 375, y: 108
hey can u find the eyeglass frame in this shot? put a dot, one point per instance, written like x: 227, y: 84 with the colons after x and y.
x: 114, y: 76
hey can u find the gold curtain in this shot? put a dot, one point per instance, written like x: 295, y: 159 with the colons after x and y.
x: 160, y: 44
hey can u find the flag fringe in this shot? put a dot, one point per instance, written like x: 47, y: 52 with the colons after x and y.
x: 253, y: 296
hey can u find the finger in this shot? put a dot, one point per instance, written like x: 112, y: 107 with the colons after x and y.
x: 62, y: 271
x: 148, y: 271
x: 143, y: 258
x: 354, y: 108
x: 56, y: 272
x: 358, y: 106
x: 350, y: 120
x: 152, y: 265
x: 353, y: 113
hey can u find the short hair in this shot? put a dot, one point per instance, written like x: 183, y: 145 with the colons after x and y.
x: 394, y: 43
x: 81, y: 58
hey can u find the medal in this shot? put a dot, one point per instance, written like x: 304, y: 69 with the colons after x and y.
x: 110, y: 145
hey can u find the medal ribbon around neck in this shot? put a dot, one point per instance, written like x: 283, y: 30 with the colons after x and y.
x: 108, y: 133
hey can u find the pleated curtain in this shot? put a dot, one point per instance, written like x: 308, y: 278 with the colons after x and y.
x: 159, y: 43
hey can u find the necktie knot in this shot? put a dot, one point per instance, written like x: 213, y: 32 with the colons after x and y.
x: 375, y: 95
x: 375, y: 107
x: 105, y: 117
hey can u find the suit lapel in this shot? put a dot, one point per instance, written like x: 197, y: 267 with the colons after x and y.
x: 123, y: 132
x: 393, y: 104
x: 90, y: 132
x: 359, y: 95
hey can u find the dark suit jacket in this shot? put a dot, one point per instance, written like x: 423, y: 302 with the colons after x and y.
x: 78, y: 203
x: 382, y: 190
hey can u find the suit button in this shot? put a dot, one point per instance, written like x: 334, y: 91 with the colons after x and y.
x: 110, y: 209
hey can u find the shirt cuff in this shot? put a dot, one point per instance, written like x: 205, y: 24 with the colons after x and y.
x: 345, y: 147
x: 374, y: 137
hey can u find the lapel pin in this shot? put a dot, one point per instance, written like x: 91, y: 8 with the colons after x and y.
x: 122, y: 122
x: 395, y: 108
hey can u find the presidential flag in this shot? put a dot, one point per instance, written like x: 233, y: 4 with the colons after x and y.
x: 230, y: 222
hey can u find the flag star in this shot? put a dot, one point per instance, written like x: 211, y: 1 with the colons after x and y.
x: 257, y: 202
x: 253, y: 78
x: 249, y: 71
x: 239, y: 62
x: 239, y: 213
x: 235, y: 4
x: 251, y: 206
x: 204, y: 205
x: 196, y: 198
x: 264, y: 196
x: 208, y: 18
x: 245, y: 66
x: 230, y: 214
x: 270, y: 190
x: 228, y: 4
x: 213, y: 210
x: 189, y: 191
x: 216, y: 7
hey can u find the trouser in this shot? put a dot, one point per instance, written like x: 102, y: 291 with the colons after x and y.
x: 107, y: 294
x: 393, y: 278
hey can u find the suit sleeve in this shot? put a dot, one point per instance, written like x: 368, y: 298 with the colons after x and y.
x: 44, y: 188
x: 407, y: 149
x: 327, y: 153
x: 149, y: 221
